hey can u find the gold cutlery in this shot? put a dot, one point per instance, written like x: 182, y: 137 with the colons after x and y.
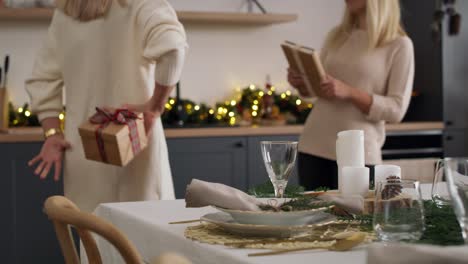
x: 340, y: 245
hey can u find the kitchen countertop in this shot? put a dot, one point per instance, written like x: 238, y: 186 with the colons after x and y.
x: 18, y: 135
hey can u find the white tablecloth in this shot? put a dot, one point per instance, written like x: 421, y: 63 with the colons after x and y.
x: 146, y: 225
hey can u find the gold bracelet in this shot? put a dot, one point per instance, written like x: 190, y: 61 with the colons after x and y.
x: 52, y: 131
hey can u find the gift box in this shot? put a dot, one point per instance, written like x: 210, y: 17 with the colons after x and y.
x: 113, y: 137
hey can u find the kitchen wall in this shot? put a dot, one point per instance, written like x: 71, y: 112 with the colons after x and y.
x: 221, y: 57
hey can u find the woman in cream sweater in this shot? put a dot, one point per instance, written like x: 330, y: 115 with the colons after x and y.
x: 104, y: 52
x: 370, y: 65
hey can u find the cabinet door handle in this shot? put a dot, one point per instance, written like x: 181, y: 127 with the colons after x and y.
x: 449, y: 138
x: 449, y: 123
x: 239, y: 145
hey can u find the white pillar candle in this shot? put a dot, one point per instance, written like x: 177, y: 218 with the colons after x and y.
x: 349, y: 151
x: 355, y: 181
x: 382, y: 172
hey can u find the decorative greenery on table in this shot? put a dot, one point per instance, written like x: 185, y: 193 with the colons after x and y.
x: 442, y: 227
x: 266, y: 190
x: 297, y: 204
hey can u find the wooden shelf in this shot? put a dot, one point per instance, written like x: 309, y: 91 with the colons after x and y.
x: 44, y: 14
x: 235, y: 18
x: 25, y: 14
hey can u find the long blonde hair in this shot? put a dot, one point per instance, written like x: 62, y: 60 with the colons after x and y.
x: 383, y: 19
x: 86, y: 10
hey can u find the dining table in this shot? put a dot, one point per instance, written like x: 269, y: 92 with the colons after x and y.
x: 147, y: 226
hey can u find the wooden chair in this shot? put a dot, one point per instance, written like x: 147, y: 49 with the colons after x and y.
x: 65, y: 214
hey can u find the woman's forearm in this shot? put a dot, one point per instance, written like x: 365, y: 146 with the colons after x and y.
x: 51, y: 122
x: 361, y: 99
x: 160, y: 97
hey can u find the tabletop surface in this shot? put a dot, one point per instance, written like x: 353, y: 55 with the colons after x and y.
x: 146, y: 224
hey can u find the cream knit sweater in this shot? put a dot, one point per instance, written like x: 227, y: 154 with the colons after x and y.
x: 386, y: 73
x: 109, y: 62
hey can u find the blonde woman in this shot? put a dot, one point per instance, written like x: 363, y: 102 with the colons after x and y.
x: 103, y: 52
x: 370, y: 65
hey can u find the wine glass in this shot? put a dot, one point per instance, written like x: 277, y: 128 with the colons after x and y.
x: 398, y: 211
x: 456, y: 171
x: 279, y: 158
x: 440, y: 194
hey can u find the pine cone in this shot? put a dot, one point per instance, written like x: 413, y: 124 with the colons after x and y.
x: 392, y: 190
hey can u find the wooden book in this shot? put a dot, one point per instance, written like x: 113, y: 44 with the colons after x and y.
x: 307, y: 62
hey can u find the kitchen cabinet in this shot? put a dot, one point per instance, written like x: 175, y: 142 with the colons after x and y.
x: 27, y: 235
x: 222, y: 160
x: 455, y: 80
x: 455, y: 77
x: 456, y: 143
x: 417, y: 18
x: 234, y: 161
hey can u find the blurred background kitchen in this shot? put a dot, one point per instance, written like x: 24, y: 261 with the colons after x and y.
x: 234, y: 94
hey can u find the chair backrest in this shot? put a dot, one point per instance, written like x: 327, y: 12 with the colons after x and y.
x: 64, y: 214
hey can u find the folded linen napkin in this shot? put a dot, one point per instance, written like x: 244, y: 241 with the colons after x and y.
x: 351, y: 203
x: 201, y: 193
x: 416, y: 254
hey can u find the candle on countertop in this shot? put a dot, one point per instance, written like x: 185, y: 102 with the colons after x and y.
x: 355, y: 181
x: 382, y: 172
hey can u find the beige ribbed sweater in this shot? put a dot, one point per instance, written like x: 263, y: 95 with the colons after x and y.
x: 108, y: 62
x: 386, y: 73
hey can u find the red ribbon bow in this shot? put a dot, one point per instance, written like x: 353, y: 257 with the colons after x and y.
x: 121, y: 117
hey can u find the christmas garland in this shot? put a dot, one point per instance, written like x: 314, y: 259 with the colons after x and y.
x: 251, y: 106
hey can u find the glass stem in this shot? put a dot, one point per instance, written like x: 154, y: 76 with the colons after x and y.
x: 464, y: 228
x: 279, y: 190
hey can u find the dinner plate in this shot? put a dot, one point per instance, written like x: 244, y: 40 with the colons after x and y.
x: 227, y: 223
x: 294, y: 218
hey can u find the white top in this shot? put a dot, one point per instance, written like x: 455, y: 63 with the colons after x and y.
x: 109, y: 62
x: 386, y: 73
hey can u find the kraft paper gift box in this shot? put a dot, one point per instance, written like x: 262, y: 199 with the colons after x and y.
x: 113, y: 137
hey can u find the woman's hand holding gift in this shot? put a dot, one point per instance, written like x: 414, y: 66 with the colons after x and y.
x: 154, y: 107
